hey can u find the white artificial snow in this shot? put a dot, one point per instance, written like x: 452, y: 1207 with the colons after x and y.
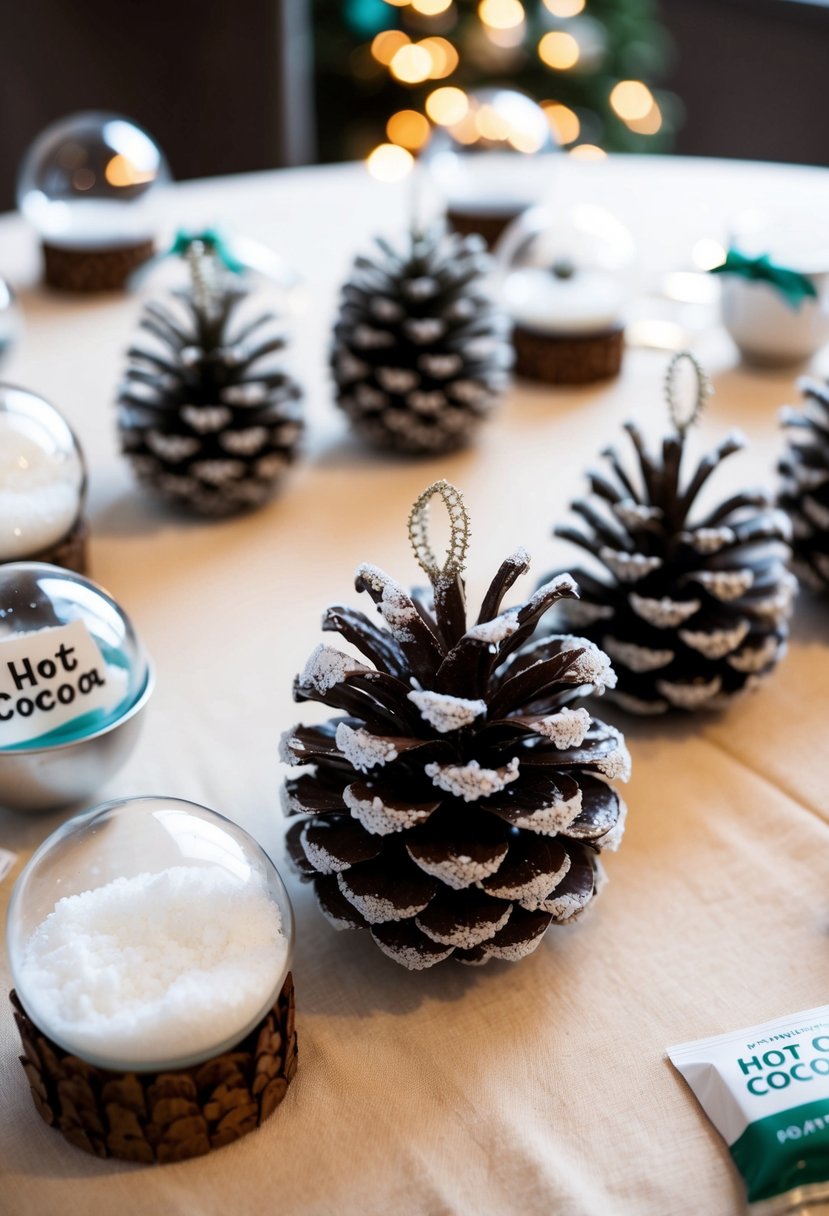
x: 411, y: 958
x: 174, y: 448
x: 441, y: 367
x: 397, y: 379
x: 616, y: 765
x: 755, y: 658
x: 206, y: 418
x: 636, y: 658
x: 716, y: 644
x: 362, y: 749
x: 367, y: 338
x: 370, y: 398
x: 469, y: 392
x: 446, y: 713
x: 566, y: 728
x: 808, y: 478
x: 724, y: 585
x: 380, y: 819
x: 493, y: 632
x: 628, y: 567
x: 255, y: 393
x: 816, y: 512
x: 374, y: 908
x: 155, y: 967
x: 566, y: 904
x: 245, y: 442
x: 551, y: 819
x: 459, y: 871
x: 778, y: 607
x: 422, y: 330
x: 635, y: 705
x: 217, y: 472
x: 635, y: 514
x: 612, y: 839
x: 327, y: 667
x: 592, y: 667
x: 665, y: 613
x: 689, y: 696
x: 563, y: 585
x: 531, y: 893
x: 471, y: 782
x: 319, y: 857
x: 465, y: 937
x: 427, y: 402
x: 709, y: 540
x: 515, y: 950
x: 289, y: 744
x: 396, y: 608
x: 582, y: 612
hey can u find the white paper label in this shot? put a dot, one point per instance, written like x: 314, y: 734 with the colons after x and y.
x: 49, y: 677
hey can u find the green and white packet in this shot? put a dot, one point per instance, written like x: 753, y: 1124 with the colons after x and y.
x: 766, y: 1090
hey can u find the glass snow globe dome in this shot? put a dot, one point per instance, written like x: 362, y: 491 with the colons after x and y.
x: 150, y: 933
x: 488, y: 157
x: 90, y: 181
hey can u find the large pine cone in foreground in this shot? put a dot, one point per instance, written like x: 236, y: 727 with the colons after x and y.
x: 459, y: 804
x: 691, y: 612
x: 804, y: 492
x: 208, y: 417
x: 420, y: 349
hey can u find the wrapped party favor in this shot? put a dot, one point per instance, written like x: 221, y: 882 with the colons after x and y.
x: 150, y: 944
x: 457, y: 804
x: 691, y: 603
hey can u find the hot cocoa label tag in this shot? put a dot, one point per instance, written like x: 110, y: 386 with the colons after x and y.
x: 48, y: 678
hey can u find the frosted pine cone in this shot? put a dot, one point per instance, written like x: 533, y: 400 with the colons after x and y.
x: 420, y: 351
x: 458, y: 805
x: 691, y: 611
x: 804, y: 491
x: 207, y: 417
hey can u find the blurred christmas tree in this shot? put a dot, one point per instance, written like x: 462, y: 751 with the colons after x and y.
x: 388, y: 70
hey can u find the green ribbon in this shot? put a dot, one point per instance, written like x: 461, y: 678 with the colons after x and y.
x: 213, y: 241
x: 793, y: 286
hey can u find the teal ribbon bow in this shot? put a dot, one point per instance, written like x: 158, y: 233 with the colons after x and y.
x: 212, y: 240
x: 793, y: 286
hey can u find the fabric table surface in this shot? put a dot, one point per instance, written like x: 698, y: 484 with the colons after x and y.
x: 539, y: 1088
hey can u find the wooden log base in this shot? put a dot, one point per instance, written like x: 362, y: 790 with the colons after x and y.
x: 88, y: 270
x: 71, y: 552
x: 570, y: 359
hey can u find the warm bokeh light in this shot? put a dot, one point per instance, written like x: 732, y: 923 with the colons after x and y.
x: 707, y: 254
x: 491, y: 125
x: 430, y: 8
x: 408, y: 128
x: 443, y: 57
x: 631, y: 99
x: 385, y: 45
x: 650, y: 124
x: 564, y: 122
x: 465, y: 130
x: 559, y: 50
x: 389, y: 163
x: 121, y: 171
x: 447, y: 105
x: 565, y: 8
x: 412, y: 64
x: 397, y: 3
x: 587, y: 152
x: 501, y: 14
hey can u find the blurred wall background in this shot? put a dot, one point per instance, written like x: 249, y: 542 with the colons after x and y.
x: 230, y: 87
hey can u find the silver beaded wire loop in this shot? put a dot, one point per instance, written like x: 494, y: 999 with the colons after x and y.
x: 455, y: 560
x: 704, y: 391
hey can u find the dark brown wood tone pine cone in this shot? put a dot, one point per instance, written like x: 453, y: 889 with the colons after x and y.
x: 459, y: 804
x: 420, y: 349
x: 161, y: 1117
x: 804, y: 490
x: 691, y: 612
x: 206, y: 417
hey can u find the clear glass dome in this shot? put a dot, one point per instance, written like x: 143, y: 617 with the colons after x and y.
x: 90, y: 181
x: 149, y: 934
x: 35, y: 596
x: 566, y: 272
x: 488, y: 160
x: 10, y: 322
x: 42, y: 474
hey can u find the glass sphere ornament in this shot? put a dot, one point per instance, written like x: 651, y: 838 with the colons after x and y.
x: 90, y: 185
x: 10, y: 321
x: 153, y: 936
x: 564, y: 280
x: 42, y: 483
x: 74, y: 681
x: 488, y: 164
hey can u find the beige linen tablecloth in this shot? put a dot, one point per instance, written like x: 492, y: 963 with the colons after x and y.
x: 535, y: 1089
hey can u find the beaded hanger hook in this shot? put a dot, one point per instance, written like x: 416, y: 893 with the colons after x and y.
x: 455, y: 560
x: 685, y: 418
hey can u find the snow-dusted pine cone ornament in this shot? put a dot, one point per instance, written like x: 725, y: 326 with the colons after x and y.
x: 459, y: 803
x: 804, y: 490
x: 420, y: 350
x: 207, y: 416
x: 692, y: 606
